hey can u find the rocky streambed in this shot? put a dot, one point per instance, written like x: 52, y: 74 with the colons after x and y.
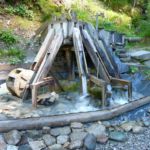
x: 99, y: 135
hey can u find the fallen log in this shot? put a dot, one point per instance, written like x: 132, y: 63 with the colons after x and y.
x: 66, y: 119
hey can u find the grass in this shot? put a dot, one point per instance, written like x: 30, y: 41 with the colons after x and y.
x: 12, y: 55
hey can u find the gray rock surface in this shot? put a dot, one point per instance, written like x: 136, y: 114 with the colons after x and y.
x: 76, y: 144
x: 90, y: 142
x: 60, y: 131
x: 12, y: 147
x: 24, y: 147
x: 46, y: 130
x: 76, y: 125
x: 74, y: 136
x: 13, y: 137
x: 49, y: 140
x: 118, y: 136
x: 62, y: 139
x: 138, y: 129
x: 141, y: 55
x: 3, y: 145
x: 37, y: 145
x: 56, y: 147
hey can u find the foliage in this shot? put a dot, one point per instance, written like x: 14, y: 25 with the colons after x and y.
x: 20, y: 10
x: 8, y: 37
x: 133, y: 69
x: 13, y: 55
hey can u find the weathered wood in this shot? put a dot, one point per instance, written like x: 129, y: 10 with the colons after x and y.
x: 40, y: 56
x: 62, y: 120
x: 91, y: 49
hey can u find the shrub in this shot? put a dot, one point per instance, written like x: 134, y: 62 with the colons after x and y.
x: 8, y: 37
x: 20, y: 10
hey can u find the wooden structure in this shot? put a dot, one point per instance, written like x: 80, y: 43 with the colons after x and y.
x: 84, y: 38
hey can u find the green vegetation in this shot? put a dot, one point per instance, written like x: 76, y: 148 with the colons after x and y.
x: 133, y: 69
x: 20, y: 10
x: 13, y: 55
x: 8, y: 37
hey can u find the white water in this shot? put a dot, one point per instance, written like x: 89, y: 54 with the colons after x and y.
x: 84, y: 86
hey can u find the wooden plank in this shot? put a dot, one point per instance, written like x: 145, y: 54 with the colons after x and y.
x: 40, y: 56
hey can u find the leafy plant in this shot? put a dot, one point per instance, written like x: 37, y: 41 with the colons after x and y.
x: 133, y: 69
x: 8, y: 37
x: 20, y: 10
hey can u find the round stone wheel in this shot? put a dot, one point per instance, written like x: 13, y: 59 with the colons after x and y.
x: 17, y: 81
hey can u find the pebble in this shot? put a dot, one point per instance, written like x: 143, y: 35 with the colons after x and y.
x: 138, y: 129
x: 13, y: 137
x: 25, y: 147
x: 46, y: 130
x: 56, y: 147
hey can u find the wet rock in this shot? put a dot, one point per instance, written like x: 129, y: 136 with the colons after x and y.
x: 13, y: 137
x: 24, y: 147
x: 2, y: 143
x: 46, y: 130
x: 76, y: 125
x: 56, y: 147
x: 141, y: 55
x: 77, y: 136
x: 49, y: 140
x: 97, y: 129
x: 12, y: 147
x: 60, y: 131
x: 118, y: 136
x: 76, y: 144
x: 138, y: 129
x: 37, y: 145
x: 62, y: 139
x: 90, y: 142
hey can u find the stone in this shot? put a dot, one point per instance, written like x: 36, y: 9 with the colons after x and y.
x: 66, y: 145
x: 49, y: 140
x: 97, y: 129
x: 3, y: 145
x: 137, y: 129
x: 77, y: 136
x: 76, y: 125
x: 56, y: 147
x: 90, y: 142
x: 12, y: 147
x: 102, y: 139
x: 141, y: 55
x: 46, y: 130
x: 107, y: 124
x: 76, y: 144
x: 118, y: 136
x: 60, y: 131
x: 127, y: 126
x: 146, y: 121
x: 34, y: 134
x: 13, y: 137
x: 62, y: 139
x: 78, y: 130
x: 147, y: 63
x: 37, y: 145
x: 24, y: 147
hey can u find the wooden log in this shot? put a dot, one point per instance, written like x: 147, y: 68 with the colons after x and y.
x: 62, y: 120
